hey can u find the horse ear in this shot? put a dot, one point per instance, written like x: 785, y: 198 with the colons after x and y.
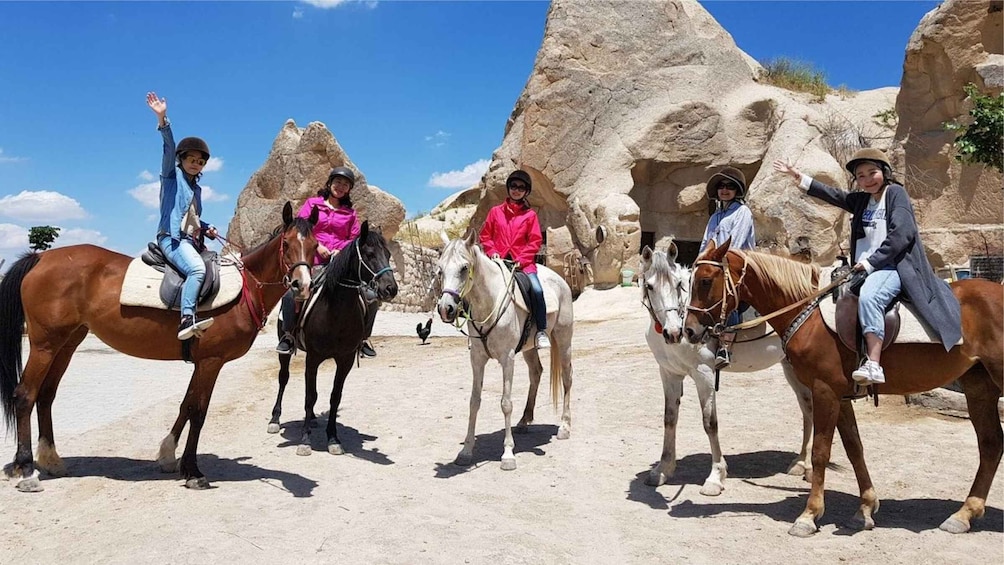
x: 314, y: 215
x: 470, y: 236
x: 364, y: 230
x: 287, y: 213
x: 444, y: 237
x: 672, y: 251
x: 716, y: 253
x: 646, y: 254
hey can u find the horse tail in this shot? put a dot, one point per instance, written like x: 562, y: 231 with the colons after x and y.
x: 556, y: 374
x: 11, y: 328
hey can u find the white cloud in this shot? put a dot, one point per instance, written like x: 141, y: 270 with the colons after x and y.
x: 41, y: 205
x: 297, y: 13
x: 148, y: 194
x: 214, y: 164
x: 465, y: 178
x: 146, y: 175
x: 325, y: 4
x: 6, y: 159
x: 74, y: 236
x: 13, y: 237
x: 438, y: 139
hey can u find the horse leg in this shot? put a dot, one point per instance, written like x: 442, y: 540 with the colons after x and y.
x: 847, y: 425
x: 344, y: 365
x: 46, y: 458
x: 981, y: 399
x: 704, y: 379
x: 196, y: 404
x: 802, y: 465
x: 311, y: 363
x: 672, y: 388
x: 825, y: 411
x: 561, y: 363
x: 273, y: 424
x: 478, y: 361
x: 508, y: 457
x: 25, y: 396
x: 167, y: 455
x: 532, y: 359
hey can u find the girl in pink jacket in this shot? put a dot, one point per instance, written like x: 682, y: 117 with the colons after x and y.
x: 512, y: 232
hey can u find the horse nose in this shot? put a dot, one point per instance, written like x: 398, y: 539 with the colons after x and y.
x: 690, y: 334
x: 671, y: 336
x: 295, y: 285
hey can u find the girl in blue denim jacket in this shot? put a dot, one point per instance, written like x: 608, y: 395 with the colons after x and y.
x: 181, y: 227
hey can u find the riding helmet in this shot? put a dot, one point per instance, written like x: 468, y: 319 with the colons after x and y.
x: 520, y: 175
x: 726, y: 174
x: 193, y: 144
x: 343, y: 172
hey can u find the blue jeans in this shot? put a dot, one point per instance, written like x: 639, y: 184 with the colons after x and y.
x: 539, y: 308
x: 182, y: 254
x: 877, y: 292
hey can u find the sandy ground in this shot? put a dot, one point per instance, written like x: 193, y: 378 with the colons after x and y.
x: 396, y: 497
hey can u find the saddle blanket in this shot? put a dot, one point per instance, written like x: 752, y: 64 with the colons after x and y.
x: 550, y: 295
x: 911, y: 329
x: 141, y: 287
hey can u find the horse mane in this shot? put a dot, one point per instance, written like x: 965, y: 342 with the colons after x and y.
x: 302, y: 225
x: 794, y: 279
x: 340, y: 267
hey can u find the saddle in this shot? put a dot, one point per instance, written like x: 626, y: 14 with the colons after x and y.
x: 847, y: 327
x: 170, y: 286
x: 524, y: 301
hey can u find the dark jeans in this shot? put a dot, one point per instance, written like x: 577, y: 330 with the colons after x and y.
x: 539, y: 308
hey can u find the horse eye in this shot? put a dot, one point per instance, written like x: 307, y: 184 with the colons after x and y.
x: 648, y: 286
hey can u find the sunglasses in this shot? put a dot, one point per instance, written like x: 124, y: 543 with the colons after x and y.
x: 194, y: 160
x: 728, y: 186
x: 515, y: 186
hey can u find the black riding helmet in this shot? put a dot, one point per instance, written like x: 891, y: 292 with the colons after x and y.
x: 192, y: 144
x: 343, y: 172
x: 520, y: 175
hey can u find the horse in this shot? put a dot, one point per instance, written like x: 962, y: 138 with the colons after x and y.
x: 479, y: 290
x: 357, y: 276
x: 63, y: 293
x: 665, y: 288
x: 724, y: 276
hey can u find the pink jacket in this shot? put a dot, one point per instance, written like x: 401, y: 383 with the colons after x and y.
x: 336, y: 227
x: 512, y: 231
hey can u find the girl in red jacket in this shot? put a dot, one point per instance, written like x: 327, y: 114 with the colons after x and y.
x: 512, y: 232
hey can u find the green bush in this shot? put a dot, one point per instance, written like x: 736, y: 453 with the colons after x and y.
x: 980, y: 143
x: 795, y: 75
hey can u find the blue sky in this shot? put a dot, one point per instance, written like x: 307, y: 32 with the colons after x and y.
x: 417, y: 93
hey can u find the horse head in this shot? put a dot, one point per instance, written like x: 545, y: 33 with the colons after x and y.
x: 714, y: 291
x: 374, y: 268
x: 297, y: 249
x: 455, y: 274
x: 665, y: 290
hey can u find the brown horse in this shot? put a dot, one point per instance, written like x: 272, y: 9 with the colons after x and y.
x: 722, y: 277
x: 64, y: 293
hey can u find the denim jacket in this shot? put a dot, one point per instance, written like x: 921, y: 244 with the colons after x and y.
x: 175, y: 193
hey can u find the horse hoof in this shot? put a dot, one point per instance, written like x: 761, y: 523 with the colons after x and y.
x: 12, y: 471
x: 711, y: 489
x: 860, y: 523
x: 197, y: 483
x: 336, y: 449
x: 798, y: 468
x: 954, y: 526
x: 273, y: 428
x: 563, y: 433
x: 303, y: 450
x: 464, y: 459
x: 802, y: 529
x: 509, y: 464
x: 655, y: 479
x: 31, y: 484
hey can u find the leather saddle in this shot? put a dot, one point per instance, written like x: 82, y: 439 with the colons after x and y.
x: 170, y: 286
x: 846, y: 298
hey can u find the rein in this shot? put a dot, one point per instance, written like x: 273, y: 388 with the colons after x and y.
x: 464, y: 313
x: 729, y: 290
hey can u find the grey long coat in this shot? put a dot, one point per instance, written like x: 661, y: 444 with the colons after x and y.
x: 932, y: 299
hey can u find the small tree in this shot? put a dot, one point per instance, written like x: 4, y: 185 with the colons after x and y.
x: 41, y: 237
x: 980, y: 143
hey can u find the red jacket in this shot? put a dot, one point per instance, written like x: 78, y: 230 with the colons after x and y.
x: 512, y: 231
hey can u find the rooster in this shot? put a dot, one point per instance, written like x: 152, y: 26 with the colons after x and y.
x: 424, y: 331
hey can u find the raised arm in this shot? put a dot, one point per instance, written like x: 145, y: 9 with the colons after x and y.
x: 159, y: 107
x: 813, y: 187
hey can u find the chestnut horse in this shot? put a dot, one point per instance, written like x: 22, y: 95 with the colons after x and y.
x: 64, y: 293
x: 723, y: 276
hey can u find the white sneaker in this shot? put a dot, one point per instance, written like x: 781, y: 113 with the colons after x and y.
x: 869, y: 373
x: 542, y: 342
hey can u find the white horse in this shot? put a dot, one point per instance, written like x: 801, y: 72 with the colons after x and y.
x: 666, y: 293
x: 482, y: 291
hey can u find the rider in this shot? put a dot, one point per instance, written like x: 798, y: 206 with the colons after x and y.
x: 180, y: 231
x: 511, y: 231
x: 733, y: 219
x: 886, y: 245
x: 337, y: 225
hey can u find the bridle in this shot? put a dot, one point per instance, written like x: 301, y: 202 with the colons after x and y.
x: 464, y: 313
x: 366, y: 288
x: 730, y: 292
x: 676, y: 310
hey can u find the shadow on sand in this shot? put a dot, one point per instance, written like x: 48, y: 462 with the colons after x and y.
x: 352, y: 441
x: 488, y: 448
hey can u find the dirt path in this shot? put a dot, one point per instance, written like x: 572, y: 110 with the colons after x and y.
x: 397, y: 498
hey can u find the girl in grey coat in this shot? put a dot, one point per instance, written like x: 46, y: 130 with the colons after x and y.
x: 886, y: 245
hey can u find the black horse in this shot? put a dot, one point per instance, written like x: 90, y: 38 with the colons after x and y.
x: 335, y: 325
